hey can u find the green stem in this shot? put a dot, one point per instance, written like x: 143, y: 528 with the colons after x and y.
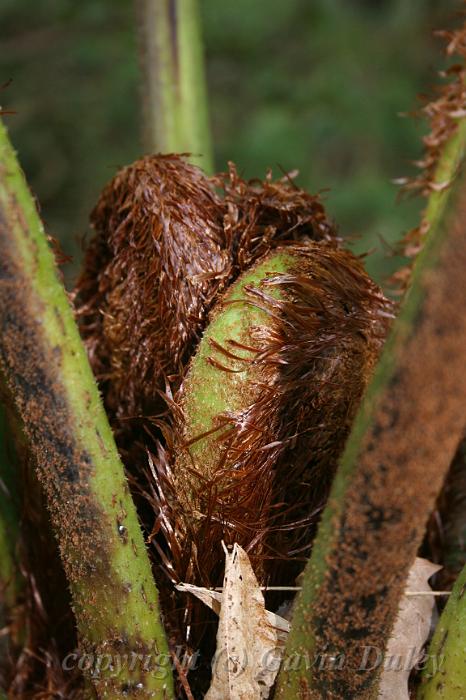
x: 46, y: 370
x: 9, y: 583
x: 399, y: 451
x: 444, y: 677
x: 174, y: 84
x: 453, y: 517
x: 11, y: 580
x: 9, y: 523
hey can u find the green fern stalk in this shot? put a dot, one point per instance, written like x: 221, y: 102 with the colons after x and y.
x: 174, y: 84
x: 444, y: 677
x: 47, y: 373
x: 396, y: 458
x: 11, y: 579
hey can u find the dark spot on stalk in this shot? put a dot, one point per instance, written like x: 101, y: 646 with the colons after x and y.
x: 419, y: 320
x: 69, y: 470
x: 120, y: 642
x: 6, y: 270
x: 5, y: 273
x: 442, y: 642
x: 393, y: 417
x: 369, y: 602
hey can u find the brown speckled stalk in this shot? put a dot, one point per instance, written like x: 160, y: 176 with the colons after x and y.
x: 397, y: 456
x: 47, y: 373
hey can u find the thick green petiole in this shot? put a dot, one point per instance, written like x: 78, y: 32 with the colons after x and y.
x: 444, y: 677
x: 46, y: 371
x: 396, y: 458
x: 174, y: 84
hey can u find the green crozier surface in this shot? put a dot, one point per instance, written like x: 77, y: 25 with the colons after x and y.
x: 210, y: 391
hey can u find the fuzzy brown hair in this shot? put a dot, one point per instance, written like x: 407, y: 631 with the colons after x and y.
x: 443, y: 114
x: 165, y: 244
x: 261, y: 214
x: 157, y: 259
x: 157, y: 221
x: 274, y: 463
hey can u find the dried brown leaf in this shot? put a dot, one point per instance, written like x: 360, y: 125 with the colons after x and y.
x: 409, y: 633
x: 250, y: 640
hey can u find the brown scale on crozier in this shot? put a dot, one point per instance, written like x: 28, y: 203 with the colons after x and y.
x: 166, y: 246
x: 259, y: 215
x: 276, y: 461
x: 158, y: 256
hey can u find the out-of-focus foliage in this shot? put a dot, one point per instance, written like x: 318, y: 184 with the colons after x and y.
x: 316, y: 86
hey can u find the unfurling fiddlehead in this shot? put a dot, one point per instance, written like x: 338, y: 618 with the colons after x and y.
x: 233, y: 338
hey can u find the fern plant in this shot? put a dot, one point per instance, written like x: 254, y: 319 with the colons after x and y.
x: 170, y: 241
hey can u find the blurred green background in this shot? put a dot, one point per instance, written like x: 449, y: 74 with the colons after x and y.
x: 317, y: 85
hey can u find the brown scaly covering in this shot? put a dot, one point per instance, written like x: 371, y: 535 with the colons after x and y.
x: 166, y: 246
x: 157, y: 259
x: 442, y: 114
x: 261, y: 214
x: 262, y: 476
x: 165, y: 243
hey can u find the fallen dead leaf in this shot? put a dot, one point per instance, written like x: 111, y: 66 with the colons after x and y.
x: 250, y: 640
x: 409, y: 633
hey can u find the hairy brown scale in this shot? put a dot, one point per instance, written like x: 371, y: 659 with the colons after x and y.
x: 442, y: 114
x: 258, y: 215
x: 262, y: 482
x: 165, y: 244
x: 157, y: 259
